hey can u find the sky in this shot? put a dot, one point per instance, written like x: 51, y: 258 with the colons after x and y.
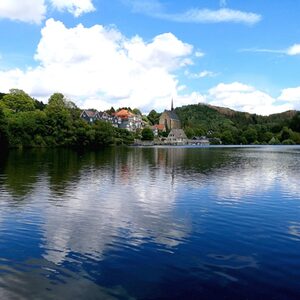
x: 241, y: 54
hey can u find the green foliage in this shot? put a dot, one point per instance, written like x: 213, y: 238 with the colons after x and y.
x: 3, y: 130
x: 237, y: 127
x: 153, y: 117
x: 295, y: 122
x: 103, y: 134
x: 250, y: 135
x: 56, y: 124
x: 18, y: 101
x: 288, y: 142
x: 2, y: 95
x: 274, y: 141
x: 147, y: 134
x: 136, y: 111
x: 123, y: 136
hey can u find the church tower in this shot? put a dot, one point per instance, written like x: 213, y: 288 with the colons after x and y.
x: 172, y: 105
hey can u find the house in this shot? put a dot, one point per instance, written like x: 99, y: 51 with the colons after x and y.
x: 121, y: 119
x: 158, y: 128
x: 200, y: 140
x: 90, y: 115
x: 177, y: 137
x: 128, y: 120
x: 169, y: 119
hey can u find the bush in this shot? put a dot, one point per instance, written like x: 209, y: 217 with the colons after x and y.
x: 147, y: 134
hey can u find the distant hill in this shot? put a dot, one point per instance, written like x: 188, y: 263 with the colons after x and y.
x: 234, y: 127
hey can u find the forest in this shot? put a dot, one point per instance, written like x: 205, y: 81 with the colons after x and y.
x: 27, y: 122
x: 237, y: 128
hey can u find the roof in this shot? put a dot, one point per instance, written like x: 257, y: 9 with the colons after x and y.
x: 177, y: 134
x: 172, y: 114
x: 159, y: 126
x: 90, y: 113
x: 124, y: 114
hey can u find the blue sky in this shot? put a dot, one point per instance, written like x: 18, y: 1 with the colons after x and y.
x: 240, y: 54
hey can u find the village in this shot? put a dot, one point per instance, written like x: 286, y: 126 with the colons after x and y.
x: 168, y: 131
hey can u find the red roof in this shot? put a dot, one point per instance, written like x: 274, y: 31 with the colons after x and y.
x: 123, y: 113
x: 159, y: 127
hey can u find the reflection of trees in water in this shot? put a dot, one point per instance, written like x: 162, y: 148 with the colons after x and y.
x: 21, y: 170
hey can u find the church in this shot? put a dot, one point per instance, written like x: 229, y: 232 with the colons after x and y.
x: 169, y: 119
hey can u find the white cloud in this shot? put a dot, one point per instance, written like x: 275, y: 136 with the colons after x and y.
x: 294, y: 50
x: 32, y: 11
x: 215, y: 16
x: 201, y: 74
x: 75, y: 7
x: 199, y: 54
x: 100, y: 67
x: 291, y: 51
x: 242, y: 97
x: 291, y: 95
x: 155, y: 9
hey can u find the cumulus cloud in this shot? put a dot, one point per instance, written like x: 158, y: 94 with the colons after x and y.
x: 291, y: 95
x: 196, y: 15
x: 75, y: 7
x: 244, y: 97
x: 32, y: 11
x: 99, y: 66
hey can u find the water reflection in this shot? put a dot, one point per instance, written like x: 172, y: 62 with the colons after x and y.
x: 201, y: 214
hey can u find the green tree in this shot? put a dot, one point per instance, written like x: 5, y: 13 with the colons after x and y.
x: 136, y: 111
x: 147, y: 134
x: 123, y: 136
x: 227, y: 138
x: 153, y: 117
x: 3, y: 130
x: 295, y: 122
x: 250, y: 135
x: 103, y: 134
x: 59, y: 120
x: 18, y: 100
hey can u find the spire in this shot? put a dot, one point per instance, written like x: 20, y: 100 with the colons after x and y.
x: 172, y: 105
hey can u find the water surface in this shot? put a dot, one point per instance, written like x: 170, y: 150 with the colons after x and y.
x: 150, y: 223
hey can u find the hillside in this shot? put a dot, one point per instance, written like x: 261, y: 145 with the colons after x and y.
x: 234, y: 127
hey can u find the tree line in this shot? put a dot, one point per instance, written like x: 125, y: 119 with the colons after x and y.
x: 238, y: 127
x: 26, y: 122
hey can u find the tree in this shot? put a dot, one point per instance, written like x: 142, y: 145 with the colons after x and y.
x: 103, y: 133
x: 286, y: 134
x: 295, y: 122
x: 147, y: 134
x: 136, y: 111
x: 59, y: 120
x: 251, y: 135
x: 18, y: 100
x: 153, y: 117
x: 3, y: 131
x: 227, y: 137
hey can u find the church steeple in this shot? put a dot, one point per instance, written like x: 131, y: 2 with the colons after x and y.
x: 172, y: 105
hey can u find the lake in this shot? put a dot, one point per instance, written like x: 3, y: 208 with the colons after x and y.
x: 150, y: 223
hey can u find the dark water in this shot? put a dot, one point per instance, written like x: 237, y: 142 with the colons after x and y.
x: 154, y: 223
